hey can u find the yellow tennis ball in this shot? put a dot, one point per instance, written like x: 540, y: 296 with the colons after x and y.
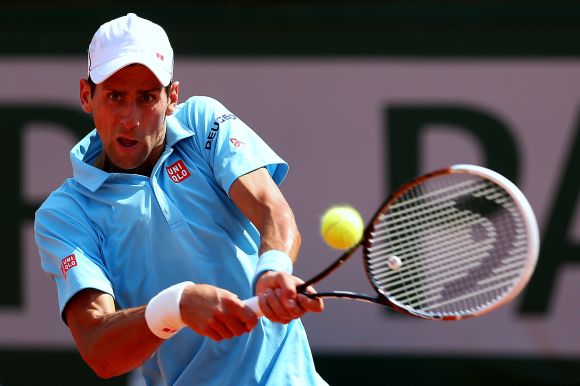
x: 341, y: 227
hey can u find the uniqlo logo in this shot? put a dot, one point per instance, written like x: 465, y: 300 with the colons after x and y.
x: 177, y: 172
x: 67, y: 263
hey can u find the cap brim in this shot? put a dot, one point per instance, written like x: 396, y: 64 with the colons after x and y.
x: 102, y: 72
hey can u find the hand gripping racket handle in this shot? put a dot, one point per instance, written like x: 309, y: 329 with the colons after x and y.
x: 254, y: 304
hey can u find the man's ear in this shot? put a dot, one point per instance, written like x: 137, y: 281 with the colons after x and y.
x: 173, y: 98
x: 85, y: 96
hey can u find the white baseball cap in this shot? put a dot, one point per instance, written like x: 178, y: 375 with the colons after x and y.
x: 128, y: 40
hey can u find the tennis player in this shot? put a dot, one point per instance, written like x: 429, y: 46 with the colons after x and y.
x: 172, y: 216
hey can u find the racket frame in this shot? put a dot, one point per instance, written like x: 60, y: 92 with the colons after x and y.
x: 383, y: 298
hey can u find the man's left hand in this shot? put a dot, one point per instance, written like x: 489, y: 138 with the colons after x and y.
x: 279, y: 300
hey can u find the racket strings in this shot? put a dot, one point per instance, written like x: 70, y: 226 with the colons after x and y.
x: 443, y: 193
x: 469, y: 296
x: 454, y: 246
x: 432, y: 202
x: 410, y: 271
x: 433, y: 285
x: 436, y: 216
x: 454, y: 238
x: 406, y: 242
x: 452, y: 262
x: 448, y: 287
x: 455, y: 294
x: 421, y: 299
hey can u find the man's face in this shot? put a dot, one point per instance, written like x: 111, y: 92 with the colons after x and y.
x: 129, y: 110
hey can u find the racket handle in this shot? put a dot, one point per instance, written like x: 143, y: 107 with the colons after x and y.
x: 254, y: 304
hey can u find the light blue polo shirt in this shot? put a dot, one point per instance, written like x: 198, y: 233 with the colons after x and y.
x: 132, y: 236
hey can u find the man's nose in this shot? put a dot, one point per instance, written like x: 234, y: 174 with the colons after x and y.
x: 131, y: 116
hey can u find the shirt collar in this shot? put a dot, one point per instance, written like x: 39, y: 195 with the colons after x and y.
x: 84, y: 154
x: 176, y: 130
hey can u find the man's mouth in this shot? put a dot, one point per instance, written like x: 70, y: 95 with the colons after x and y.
x: 126, y: 142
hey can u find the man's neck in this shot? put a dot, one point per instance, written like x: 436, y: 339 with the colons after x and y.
x: 145, y: 169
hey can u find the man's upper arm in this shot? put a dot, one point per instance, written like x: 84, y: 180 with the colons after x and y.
x: 70, y: 254
x: 259, y: 198
x: 84, y: 310
x: 256, y: 192
x: 89, y: 300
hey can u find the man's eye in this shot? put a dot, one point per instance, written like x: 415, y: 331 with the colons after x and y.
x: 148, y: 98
x: 114, y: 97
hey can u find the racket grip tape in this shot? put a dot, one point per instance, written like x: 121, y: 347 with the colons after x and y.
x: 254, y: 304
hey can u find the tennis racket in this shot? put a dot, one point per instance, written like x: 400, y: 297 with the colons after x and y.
x: 452, y: 244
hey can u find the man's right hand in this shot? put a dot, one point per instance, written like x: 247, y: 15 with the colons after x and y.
x: 215, y: 312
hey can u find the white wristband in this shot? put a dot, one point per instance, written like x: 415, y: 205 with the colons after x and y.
x: 272, y: 260
x: 162, y: 314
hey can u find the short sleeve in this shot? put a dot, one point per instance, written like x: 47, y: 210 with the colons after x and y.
x: 230, y: 146
x: 69, y: 253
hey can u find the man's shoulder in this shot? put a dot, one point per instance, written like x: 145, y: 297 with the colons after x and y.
x: 200, y: 107
x: 198, y: 115
x: 65, y: 199
x: 201, y: 101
